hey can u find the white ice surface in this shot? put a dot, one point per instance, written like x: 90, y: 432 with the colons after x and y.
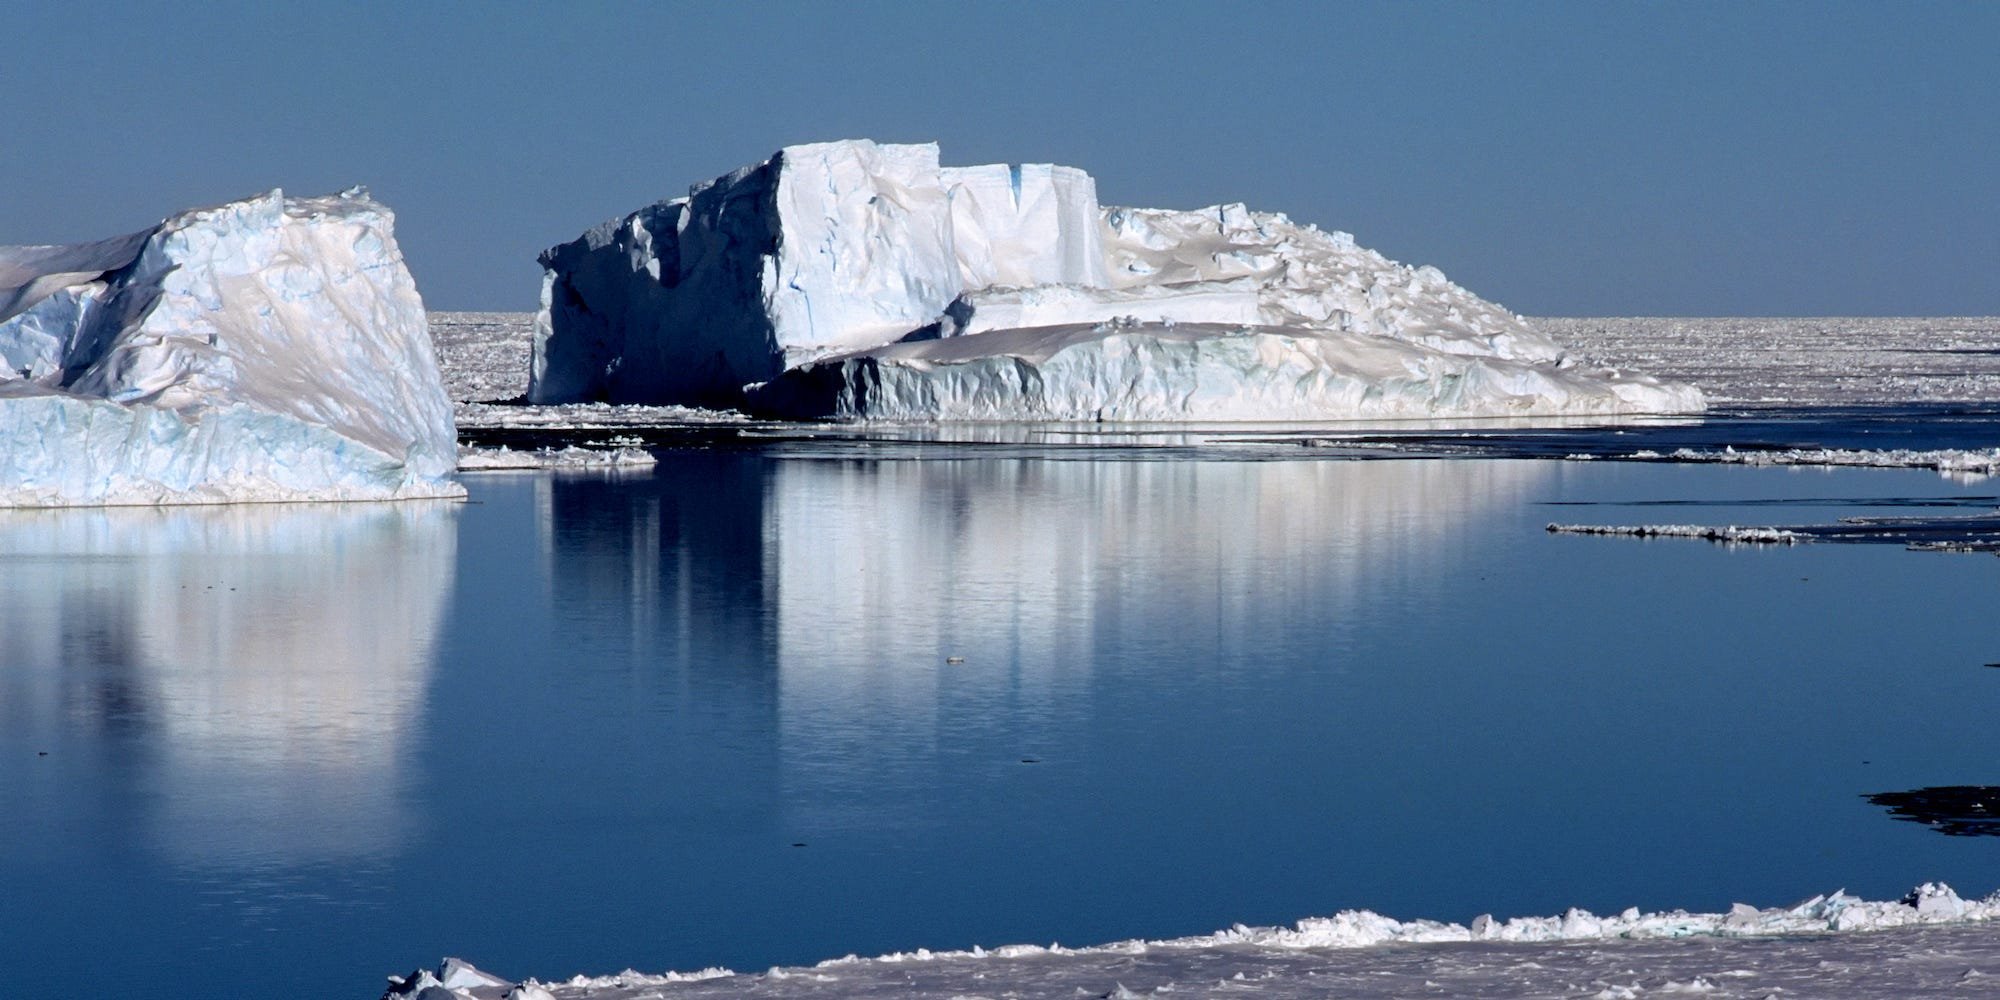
x: 588, y: 416
x: 1197, y: 371
x: 1959, y: 464
x: 1827, y: 946
x: 1713, y: 533
x: 824, y: 248
x: 1025, y: 224
x: 834, y: 252
x: 1803, y: 361
x: 1800, y: 362
x: 267, y: 349
x: 506, y: 459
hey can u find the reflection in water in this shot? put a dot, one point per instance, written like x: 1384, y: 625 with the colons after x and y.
x: 261, y: 664
x: 663, y: 559
x: 661, y: 582
x: 822, y: 601
x: 1033, y: 571
x: 1953, y: 810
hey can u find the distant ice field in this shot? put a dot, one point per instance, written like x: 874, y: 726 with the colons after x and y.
x: 1885, y: 392
x: 1793, y: 362
x: 1803, y: 362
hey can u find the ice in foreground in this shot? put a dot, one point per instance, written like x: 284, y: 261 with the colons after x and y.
x: 856, y: 280
x: 268, y: 349
x: 1930, y: 943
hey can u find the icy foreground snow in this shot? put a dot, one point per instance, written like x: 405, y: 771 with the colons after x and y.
x: 1817, y: 948
x: 856, y: 280
x: 267, y: 349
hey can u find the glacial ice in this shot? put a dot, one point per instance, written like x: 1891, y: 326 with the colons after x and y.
x: 268, y: 349
x: 856, y: 280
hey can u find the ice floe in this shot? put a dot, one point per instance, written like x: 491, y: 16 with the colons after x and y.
x: 503, y: 459
x: 1713, y: 533
x: 1818, y: 942
x: 1955, y: 463
x: 268, y: 349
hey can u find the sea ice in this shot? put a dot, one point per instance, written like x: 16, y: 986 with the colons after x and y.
x: 856, y: 280
x: 1953, y: 463
x: 1932, y: 942
x: 504, y: 459
x: 1713, y: 533
x: 267, y: 349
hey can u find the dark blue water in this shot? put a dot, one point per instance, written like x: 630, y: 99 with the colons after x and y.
x: 710, y: 716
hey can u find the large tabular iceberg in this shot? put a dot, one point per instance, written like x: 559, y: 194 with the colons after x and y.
x: 267, y: 349
x: 856, y: 280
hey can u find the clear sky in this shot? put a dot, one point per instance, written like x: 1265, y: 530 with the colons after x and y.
x: 1560, y: 158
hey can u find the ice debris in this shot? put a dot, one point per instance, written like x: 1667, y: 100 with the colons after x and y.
x: 856, y: 280
x: 457, y: 979
x: 268, y: 349
x: 503, y: 459
x: 1969, y: 465
x: 1713, y: 533
x: 1930, y: 905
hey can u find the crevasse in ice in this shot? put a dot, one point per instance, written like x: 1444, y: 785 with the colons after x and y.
x: 268, y: 349
x: 861, y: 280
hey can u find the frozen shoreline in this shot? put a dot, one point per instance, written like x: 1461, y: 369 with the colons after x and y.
x: 1930, y: 942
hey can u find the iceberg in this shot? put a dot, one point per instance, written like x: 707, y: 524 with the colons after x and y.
x: 270, y: 349
x: 858, y: 280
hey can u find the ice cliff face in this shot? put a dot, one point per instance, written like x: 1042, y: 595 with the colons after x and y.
x: 267, y: 349
x: 858, y: 280
x: 820, y: 250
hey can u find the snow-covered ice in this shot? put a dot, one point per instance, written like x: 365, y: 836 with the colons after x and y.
x: 268, y: 349
x: 1810, y: 361
x: 588, y: 416
x: 1833, y: 361
x: 821, y: 249
x: 1830, y: 946
x: 1713, y: 533
x: 1958, y: 463
x: 503, y: 459
x: 1132, y: 371
x: 798, y: 280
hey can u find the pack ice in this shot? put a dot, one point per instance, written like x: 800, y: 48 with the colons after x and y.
x: 860, y: 280
x: 268, y: 349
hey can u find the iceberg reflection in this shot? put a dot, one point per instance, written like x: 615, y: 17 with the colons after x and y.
x: 824, y: 599
x: 261, y: 664
x: 1030, y: 570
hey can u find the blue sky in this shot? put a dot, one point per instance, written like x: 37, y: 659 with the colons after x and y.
x: 1561, y: 158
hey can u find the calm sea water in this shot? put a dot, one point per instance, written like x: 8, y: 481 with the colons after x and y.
x: 715, y: 715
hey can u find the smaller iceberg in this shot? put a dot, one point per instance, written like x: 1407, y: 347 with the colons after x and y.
x: 270, y: 349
